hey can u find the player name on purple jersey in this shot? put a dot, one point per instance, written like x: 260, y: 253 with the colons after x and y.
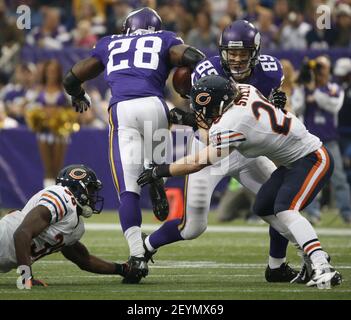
x: 136, y: 65
x: 265, y: 76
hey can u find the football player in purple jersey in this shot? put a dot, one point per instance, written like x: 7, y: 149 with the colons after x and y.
x: 239, y: 59
x: 136, y: 65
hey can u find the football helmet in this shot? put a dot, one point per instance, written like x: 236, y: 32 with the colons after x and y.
x: 85, y: 186
x: 210, y: 97
x: 239, y: 47
x: 145, y: 19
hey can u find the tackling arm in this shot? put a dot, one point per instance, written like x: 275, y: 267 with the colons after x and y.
x: 79, y: 255
x: 184, y: 166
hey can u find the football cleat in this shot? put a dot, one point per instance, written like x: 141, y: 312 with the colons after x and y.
x: 282, y: 274
x: 148, y: 254
x: 159, y: 200
x: 135, y: 269
x: 324, y: 276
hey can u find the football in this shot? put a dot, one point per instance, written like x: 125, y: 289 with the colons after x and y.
x: 182, y: 81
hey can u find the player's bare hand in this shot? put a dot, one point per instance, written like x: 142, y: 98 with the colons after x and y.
x: 38, y: 283
x: 82, y: 102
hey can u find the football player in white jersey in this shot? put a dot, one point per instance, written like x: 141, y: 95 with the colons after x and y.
x: 52, y: 221
x: 241, y: 118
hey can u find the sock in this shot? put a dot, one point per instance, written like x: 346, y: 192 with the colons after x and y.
x: 278, y: 244
x: 167, y: 233
x: 304, y: 234
x: 274, y: 222
x: 148, y: 245
x: 135, y: 242
x: 275, y: 263
x: 129, y: 210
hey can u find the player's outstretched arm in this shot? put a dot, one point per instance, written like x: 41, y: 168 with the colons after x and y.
x: 82, y: 71
x: 79, y: 255
x: 184, y: 166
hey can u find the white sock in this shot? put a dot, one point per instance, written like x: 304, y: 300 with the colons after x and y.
x: 318, y: 256
x: 281, y: 228
x: 275, y: 263
x: 303, y: 232
x: 135, y: 242
x: 148, y: 245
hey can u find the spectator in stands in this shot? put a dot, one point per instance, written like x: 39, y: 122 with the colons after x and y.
x: 281, y: 12
x: 293, y: 34
x: 92, y: 11
x: 204, y: 36
x: 340, y: 34
x: 116, y: 15
x: 224, y: 22
x: 342, y: 72
x: 289, y: 82
x: 52, y: 147
x: 251, y: 11
x: 17, y: 94
x: 234, y: 10
x: 83, y: 36
x: 268, y: 31
x: 320, y: 104
x: 50, y: 35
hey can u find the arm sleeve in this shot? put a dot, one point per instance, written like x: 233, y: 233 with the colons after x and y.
x: 226, y: 138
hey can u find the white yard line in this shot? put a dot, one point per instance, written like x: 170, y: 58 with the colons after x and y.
x: 217, y: 229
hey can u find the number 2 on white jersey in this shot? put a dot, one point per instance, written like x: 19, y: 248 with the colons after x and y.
x: 140, y: 52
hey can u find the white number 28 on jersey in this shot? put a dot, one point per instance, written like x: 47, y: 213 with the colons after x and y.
x: 141, y: 51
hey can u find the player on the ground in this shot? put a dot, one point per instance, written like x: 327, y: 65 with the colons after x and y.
x: 241, y: 118
x: 239, y: 59
x: 136, y: 65
x: 52, y: 221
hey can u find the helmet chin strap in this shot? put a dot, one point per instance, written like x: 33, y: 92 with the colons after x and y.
x: 87, y: 212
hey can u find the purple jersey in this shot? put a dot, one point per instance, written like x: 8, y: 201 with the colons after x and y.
x: 267, y: 74
x: 136, y: 65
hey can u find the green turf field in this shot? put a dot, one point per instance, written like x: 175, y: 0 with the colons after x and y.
x: 224, y: 263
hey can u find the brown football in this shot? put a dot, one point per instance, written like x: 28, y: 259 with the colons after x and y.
x: 182, y: 80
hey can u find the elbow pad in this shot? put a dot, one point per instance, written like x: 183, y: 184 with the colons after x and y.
x: 191, y: 57
x: 72, y: 84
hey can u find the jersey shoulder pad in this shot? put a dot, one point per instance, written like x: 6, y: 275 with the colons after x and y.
x: 59, y: 200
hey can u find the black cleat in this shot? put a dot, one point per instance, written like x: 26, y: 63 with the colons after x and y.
x: 302, y: 277
x: 135, y: 269
x: 282, y: 274
x: 148, y: 254
x: 159, y: 200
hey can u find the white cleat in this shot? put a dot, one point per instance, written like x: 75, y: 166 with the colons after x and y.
x: 324, y: 276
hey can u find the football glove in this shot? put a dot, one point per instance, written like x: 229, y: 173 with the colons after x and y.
x: 178, y: 116
x: 159, y: 200
x: 82, y: 102
x: 149, y: 175
x: 278, y: 98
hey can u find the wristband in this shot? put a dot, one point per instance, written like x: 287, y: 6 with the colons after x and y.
x: 162, y: 171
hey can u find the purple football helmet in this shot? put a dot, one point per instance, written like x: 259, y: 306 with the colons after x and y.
x: 239, y: 47
x: 145, y: 18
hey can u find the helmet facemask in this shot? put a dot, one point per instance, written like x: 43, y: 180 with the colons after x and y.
x: 89, y: 201
x: 238, y: 61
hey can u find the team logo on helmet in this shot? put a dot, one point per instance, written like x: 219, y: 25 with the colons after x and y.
x: 78, y: 174
x: 203, y: 98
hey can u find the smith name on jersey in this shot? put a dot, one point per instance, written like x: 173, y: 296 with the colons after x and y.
x: 66, y: 227
x: 265, y: 76
x: 256, y: 128
x: 136, y: 65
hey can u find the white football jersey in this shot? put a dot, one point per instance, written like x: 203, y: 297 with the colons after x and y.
x: 256, y: 128
x: 65, y: 228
